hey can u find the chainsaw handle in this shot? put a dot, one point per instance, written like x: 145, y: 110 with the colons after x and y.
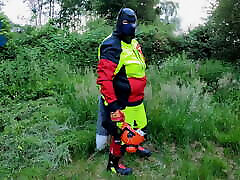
x: 117, y: 116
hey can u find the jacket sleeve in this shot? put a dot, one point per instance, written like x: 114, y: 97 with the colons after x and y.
x: 105, y: 70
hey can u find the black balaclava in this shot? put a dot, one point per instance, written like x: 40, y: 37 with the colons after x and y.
x: 126, y: 31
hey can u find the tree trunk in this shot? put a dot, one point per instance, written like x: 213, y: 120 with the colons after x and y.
x: 53, y: 9
x: 40, y: 5
x: 50, y: 9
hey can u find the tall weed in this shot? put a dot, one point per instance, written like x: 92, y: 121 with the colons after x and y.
x: 45, y: 133
x: 181, y: 109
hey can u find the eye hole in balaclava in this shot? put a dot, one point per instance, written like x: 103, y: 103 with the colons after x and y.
x: 126, y: 22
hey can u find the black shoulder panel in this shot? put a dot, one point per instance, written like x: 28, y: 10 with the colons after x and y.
x: 111, y: 49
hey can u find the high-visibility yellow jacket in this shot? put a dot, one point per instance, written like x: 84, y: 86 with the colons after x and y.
x: 121, y: 72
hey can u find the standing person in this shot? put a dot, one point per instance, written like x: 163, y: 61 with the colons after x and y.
x: 121, y: 76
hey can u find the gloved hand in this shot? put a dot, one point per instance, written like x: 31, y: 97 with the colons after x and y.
x: 117, y: 116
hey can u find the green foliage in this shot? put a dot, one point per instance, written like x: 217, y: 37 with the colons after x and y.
x: 29, y: 137
x: 182, y: 107
x: 202, y: 162
x: 147, y: 11
x: 211, y: 71
x: 222, y: 31
x: 158, y: 41
x: 46, y: 132
x: 109, y: 9
x: 49, y: 99
x: 197, y: 43
x: 214, y: 166
x: 5, y: 33
x: 6, y: 27
x: 48, y: 107
x: 219, y: 37
x: 71, y: 11
x: 37, y: 55
x: 195, y: 161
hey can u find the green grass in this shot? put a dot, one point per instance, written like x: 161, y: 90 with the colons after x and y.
x: 46, y: 132
x: 48, y: 111
x: 194, y: 161
x: 182, y: 107
x: 193, y: 123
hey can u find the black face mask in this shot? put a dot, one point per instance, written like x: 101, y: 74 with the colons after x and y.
x: 126, y: 31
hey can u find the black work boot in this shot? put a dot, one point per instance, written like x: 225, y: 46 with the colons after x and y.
x: 142, y: 152
x: 115, y: 167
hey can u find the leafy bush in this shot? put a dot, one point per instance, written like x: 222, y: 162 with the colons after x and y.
x: 32, y: 58
x: 181, y: 110
x: 197, y: 43
x: 158, y: 41
x: 5, y: 25
x: 218, y: 40
x: 225, y: 30
x: 5, y: 28
x: 37, y: 55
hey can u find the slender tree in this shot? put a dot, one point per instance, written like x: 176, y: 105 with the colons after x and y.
x: 41, y: 9
x: 167, y: 10
x: 1, y: 4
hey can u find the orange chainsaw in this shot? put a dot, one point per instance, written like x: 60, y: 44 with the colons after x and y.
x: 130, y: 137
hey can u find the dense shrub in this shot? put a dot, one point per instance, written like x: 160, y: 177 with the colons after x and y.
x: 5, y: 26
x: 182, y: 107
x: 5, y: 33
x: 196, y: 43
x: 158, y: 42
x: 30, y: 59
x: 225, y: 36
x: 33, y: 55
x: 212, y: 40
